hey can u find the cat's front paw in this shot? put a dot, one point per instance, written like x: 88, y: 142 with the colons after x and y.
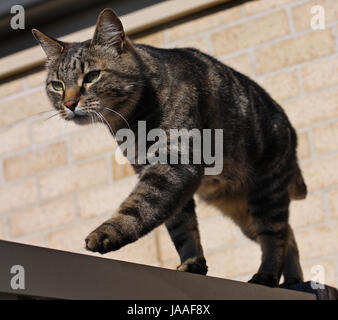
x: 265, y: 279
x: 103, y: 239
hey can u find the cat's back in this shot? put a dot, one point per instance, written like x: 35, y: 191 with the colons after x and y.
x: 187, y: 64
x: 233, y: 99
x: 211, y: 76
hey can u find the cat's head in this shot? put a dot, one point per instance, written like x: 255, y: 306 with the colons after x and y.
x: 94, y: 79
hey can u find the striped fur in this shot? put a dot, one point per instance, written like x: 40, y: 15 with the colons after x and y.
x: 184, y: 88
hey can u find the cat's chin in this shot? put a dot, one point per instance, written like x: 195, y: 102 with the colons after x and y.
x: 81, y: 120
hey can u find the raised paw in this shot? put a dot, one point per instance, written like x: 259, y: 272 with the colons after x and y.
x: 265, y: 279
x: 103, y: 239
x: 194, y: 265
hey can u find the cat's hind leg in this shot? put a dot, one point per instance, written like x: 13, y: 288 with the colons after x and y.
x: 292, y: 270
x: 269, y: 208
x: 183, y: 230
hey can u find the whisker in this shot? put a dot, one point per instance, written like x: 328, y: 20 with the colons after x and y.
x: 42, y: 112
x: 55, y: 114
x: 102, y: 117
x: 102, y: 120
x: 119, y: 114
x: 93, y: 112
x: 91, y: 118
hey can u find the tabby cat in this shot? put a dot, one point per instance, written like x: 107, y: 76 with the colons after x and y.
x: 111, y: 79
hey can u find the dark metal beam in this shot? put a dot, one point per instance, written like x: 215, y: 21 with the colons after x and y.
x: 65, y: 275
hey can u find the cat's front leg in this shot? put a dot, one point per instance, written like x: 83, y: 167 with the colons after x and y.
x: 183, y: 230
x: 162, y: 191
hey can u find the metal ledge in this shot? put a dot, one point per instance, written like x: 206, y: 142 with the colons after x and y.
x: 64, y: 275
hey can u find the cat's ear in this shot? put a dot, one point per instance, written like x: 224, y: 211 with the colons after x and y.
x: 51, y: 46
x: 109, y: 31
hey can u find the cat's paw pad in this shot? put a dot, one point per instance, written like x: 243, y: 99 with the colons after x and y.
x: 103, y: 239
x: 194, y: 265
x: 265, y: 279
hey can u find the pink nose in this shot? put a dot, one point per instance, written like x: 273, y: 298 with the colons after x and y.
x: 71, y: 104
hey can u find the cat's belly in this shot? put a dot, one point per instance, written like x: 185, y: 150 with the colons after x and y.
x: 232, y: 180
x: 230, y: 197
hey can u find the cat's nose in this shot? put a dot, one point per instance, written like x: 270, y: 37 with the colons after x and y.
x: 71, y: 104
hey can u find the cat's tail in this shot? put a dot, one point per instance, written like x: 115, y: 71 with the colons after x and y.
x: 297, y: 188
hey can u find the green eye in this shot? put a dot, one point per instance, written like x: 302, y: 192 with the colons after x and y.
x: 57, y: 85
x: 91, y: 76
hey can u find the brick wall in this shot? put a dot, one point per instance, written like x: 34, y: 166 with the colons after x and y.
x: 59, y: 181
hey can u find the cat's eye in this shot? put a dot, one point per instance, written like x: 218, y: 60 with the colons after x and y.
x: 57, y: 85
x: 91, y: 77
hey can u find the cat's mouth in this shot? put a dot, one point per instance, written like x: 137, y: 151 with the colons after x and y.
x: 84, y: 119
x: 79, y: 118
